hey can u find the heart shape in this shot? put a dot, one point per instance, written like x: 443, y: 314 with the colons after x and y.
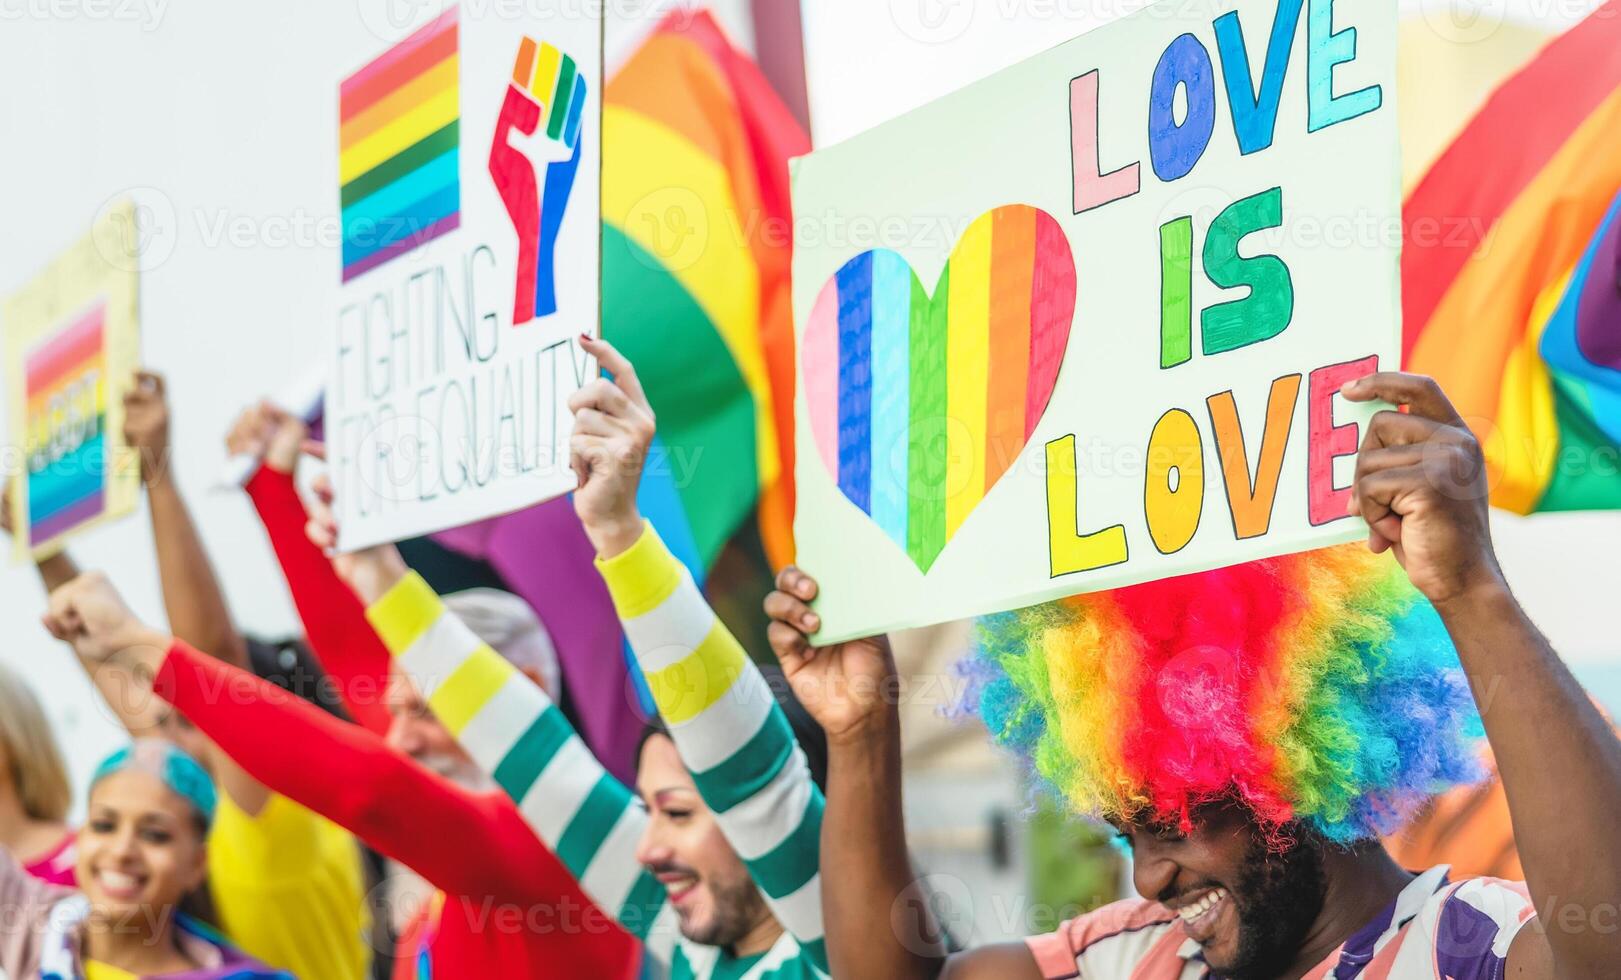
x: 919, y: 402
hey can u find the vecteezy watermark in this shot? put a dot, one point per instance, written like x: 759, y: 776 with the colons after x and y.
x: 147, y: 13
x: 944, y: 21
x: 393, y: 20
x: 149, y: 241
x: 1353, y: 229
x: 674, y: 227
x: 926, y: 917
x: 932, y: 21
x: 1463, y: 21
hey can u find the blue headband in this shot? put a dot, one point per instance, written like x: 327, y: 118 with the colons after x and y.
x: 171, y: 765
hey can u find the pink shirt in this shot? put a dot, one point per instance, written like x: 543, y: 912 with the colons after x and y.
x: 1434, y: 928
x: 57, y: 865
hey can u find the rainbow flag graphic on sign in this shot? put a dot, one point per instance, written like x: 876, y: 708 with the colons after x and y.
x: 67, y: 421
x: 399, y: 148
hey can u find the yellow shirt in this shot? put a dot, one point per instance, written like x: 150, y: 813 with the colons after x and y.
x: 289, y: 890
x: 101, y: 971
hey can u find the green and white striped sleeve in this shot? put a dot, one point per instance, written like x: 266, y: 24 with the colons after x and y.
x: 517, y: 735
x: 731, y: 734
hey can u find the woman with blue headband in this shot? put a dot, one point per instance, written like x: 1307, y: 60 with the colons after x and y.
x: 141, y: 861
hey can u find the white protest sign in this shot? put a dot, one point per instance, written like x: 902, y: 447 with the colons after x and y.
x: 469, y: 171
x: 1082, y: 324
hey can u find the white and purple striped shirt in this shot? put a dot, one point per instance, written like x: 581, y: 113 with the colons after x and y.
x: 1435, y: 929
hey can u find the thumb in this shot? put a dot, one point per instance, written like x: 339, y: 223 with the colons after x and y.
x: 53, y: 626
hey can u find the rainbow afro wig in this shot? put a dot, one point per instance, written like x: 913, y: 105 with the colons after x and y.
x: 1317, y: 689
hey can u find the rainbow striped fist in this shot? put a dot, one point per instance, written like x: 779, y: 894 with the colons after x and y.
x: 545, y: 103
x: 919, y: 403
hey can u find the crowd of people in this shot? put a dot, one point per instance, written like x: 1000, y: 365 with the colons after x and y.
x: 1250, y: 734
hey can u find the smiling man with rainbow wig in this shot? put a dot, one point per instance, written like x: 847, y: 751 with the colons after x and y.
x: 1251, y: 732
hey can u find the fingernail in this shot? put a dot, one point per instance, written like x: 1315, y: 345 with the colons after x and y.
x: 811, y: 621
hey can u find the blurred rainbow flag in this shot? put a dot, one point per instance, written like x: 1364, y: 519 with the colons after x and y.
x: 695, y: 259
x: 1510, y: 276
x: 696, y: 246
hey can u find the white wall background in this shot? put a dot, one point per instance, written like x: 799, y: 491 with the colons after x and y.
x: 221, y: 118
x: 871, y: 60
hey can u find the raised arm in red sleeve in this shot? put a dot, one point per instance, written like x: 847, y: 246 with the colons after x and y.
x: 334, y: 620
x: 463, y: 842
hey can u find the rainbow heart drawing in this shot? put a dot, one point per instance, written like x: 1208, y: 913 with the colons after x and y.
x: 920, y: 401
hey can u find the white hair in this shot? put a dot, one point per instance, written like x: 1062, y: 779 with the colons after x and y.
x: 512, y: 629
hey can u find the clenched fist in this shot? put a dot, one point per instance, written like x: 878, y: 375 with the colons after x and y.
x: 90, y: 614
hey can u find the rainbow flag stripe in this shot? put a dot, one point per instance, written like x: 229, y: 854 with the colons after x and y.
x: 1497, y: 257
x: 66, y: 381
x: 399, y: 148
x: 695, y: 253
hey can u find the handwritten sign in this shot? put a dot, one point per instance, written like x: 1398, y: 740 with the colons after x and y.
x: 469, y: 158
x: 1082, y: 324
x: 72, y: 349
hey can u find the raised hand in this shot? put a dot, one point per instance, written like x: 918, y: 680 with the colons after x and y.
x: 269, y: 433
x: 613, y: 430
x: 544, y: 108
x: 90, y: 614
x: 849, y: 688
x: 146, y: 423
x: 370, y: 572
x: 1421, y: 486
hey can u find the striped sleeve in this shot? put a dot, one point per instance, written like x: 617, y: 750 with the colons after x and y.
x: 730, y: 732
x: 1464, y: 931
x: 520, y: 738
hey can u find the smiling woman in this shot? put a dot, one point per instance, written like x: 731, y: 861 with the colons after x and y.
x: 141, y: 857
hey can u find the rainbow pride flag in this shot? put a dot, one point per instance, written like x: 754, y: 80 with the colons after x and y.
x: 696, y: 247
x: 695, y: 291
x: 66, y: 381
x: 1509, y: 280
x: 398, y: 148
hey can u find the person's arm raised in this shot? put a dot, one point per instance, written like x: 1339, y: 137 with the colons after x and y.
x: 192, y: 596
x: 512, y: 730
x: 56, y: 570
x: 727, y: 727
x: 1421, y: 485
x: 126, y: 695
x: 880, y: 923
x: 331, y: 767
x: 343, y: 642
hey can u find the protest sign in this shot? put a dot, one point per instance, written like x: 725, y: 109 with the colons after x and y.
x: 72, y: 349
x: 469, y: 160
x: 1083, y: 324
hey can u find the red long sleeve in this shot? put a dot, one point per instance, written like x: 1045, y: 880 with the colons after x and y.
x: 334, y: 619
x: 463, y: 842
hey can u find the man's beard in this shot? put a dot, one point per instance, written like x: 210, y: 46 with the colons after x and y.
x: 737, y: 908
x: 1277, y: 897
